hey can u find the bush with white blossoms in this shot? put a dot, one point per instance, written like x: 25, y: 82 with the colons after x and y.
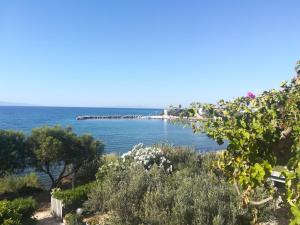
x: 148, y: 156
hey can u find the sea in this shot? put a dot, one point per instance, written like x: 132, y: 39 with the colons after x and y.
x: 118, y: 135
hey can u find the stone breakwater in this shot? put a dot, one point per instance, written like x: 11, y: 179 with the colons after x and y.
x: 100, y: 117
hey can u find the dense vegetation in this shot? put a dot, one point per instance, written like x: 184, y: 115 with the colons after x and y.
x: 72, y: 198
x: 140, y: 188
x: 263, y: 132
x: 46, y: 149
x: 178, y: 111
x: 12, y: 186
x: 17, y: 212
x: 13, y: 151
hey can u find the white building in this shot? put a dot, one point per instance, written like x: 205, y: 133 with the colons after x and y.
x: 165, y: 112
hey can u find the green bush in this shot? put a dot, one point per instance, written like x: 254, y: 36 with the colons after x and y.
x: 73, y: 219
x: 13, y: 151
x: 73, y: 198
x: 262, y: 132
x: 191, y: 194
x: 158, y: 198
x: 88, y: 170
x: 19, y: 185
x: 184, y: 158
x: 17, y: 212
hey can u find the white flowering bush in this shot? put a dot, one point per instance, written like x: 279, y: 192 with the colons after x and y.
x: 136, y: 189
x: 148, y: 156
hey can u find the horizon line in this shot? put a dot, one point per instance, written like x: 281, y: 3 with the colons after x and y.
x: 59, y: 106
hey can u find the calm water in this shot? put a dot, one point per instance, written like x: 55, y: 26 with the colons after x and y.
x: 118, y: 135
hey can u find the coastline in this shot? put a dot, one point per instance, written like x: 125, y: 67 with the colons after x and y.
x: 157, y: 117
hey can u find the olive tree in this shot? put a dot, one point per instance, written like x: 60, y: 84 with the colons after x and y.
x: 56, y: 149
x: 13, y: 151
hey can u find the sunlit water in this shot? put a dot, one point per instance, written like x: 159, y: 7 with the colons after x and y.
x: 118, y: 135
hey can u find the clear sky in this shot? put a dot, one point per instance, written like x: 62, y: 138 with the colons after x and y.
x: 144, y: 53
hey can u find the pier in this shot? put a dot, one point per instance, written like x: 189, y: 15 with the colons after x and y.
x: 101, y: 117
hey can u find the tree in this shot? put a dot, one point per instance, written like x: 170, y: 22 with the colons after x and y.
x: 262, y: 132
x: 60, y: 149
x: 88, y: 152
x: 13, y: 151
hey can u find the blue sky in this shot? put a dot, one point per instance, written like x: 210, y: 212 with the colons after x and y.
x: 138, y: 53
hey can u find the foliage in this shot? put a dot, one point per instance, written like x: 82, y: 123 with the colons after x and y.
x: 87, y: 171
x: 12, y: 151
x: 19, y: 185
x: 263, y: 132
x: 73, y: 219
x: 190, y: 194
x: 17, y: 212
x: 148, y: 156
x: 56, y: 147
x: 184, y: 158
x: 200, y: 199
x: 73, y: 198
x: 178, y: 111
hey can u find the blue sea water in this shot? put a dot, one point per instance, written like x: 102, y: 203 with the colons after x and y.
x: 118, y: 135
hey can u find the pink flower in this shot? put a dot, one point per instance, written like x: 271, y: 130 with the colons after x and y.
x: 250, y: 95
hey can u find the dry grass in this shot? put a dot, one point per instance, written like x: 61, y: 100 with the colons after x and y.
x: 101, y: 219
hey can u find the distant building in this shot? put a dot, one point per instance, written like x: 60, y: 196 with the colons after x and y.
x: 165, y: 112
x: 297, y: 69
x: 199, y: 113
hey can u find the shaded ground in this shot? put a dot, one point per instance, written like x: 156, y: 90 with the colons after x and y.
x: 43, y: 214
x: 45, y: 218
x: 43, y: 199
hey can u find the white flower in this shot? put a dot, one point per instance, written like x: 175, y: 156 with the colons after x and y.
x: 148, y: 156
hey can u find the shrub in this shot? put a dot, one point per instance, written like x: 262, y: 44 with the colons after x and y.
x: 73, y: 219
x: 111, y: 179
x: 18, y: 185
x: 182, y: 157
x: 262, y: 132
x: 182, y: 199
x: 73, y: 198
x: 191, y: 194
x: 87, y: 172
x: 148, y: 156
x: 17, y: 212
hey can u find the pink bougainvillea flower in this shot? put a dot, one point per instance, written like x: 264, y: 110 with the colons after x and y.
x: 250, y: 95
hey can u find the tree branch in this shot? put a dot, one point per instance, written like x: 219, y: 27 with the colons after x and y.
x: 236, y: 186
x: 74, y: 170
x: 47, y: 171
x: 60, y: 177
x: 257, y: 203
x: 286, y: 133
